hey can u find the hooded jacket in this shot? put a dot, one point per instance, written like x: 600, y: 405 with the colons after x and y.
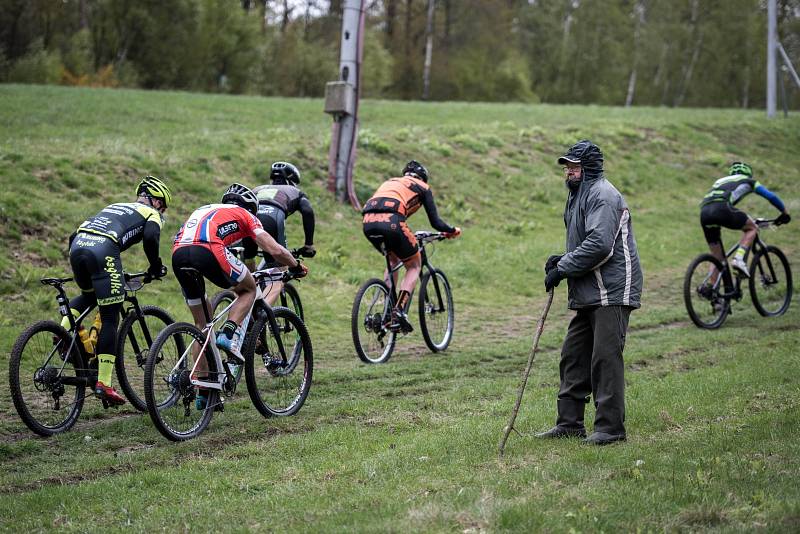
x: 602, y: 262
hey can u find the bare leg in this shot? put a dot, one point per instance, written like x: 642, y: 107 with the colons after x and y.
x: 717, y: 252
x: 200, y: 322
x: 749, y: 234
x: 413, y: 267
x: 271, y: 297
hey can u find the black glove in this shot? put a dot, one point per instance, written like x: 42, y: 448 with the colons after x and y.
x: 552, y: 279
x: 783, y: 218
x: 299, y: 270
x: 157, y: 270
x: 551, y: 262
x: 307, y: 251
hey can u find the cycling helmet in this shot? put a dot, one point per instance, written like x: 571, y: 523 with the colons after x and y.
x: 153, y: 187
x: 415, y: 168
x: 241, y: 196
x: 737, y: 167
x: 283, y: 171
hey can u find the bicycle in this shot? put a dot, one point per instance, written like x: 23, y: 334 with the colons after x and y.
x: 289, y: 296
x: 709, y: 286
x: 50, y: 368
x: 276, y: 335
x: 372, y: 308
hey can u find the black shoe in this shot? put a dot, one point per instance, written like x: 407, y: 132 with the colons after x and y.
x: 558, y: 432
x: 400, y: 322
x: 603, y: 438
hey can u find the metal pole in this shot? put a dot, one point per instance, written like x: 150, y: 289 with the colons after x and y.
x: 772, y: 38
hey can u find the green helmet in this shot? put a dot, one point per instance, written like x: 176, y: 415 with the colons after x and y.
x: 737, y: 167
x: 153, y: 187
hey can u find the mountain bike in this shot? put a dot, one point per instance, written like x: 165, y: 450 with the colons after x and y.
x: 289, y: 297
x: 709, y: 287
x: 372, y: 308
x: 50, y: 368
x: 278, y: 366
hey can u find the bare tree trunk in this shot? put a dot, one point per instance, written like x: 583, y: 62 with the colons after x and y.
x: 391, y: 15
x: 638, y: 13
x: 287, y: 13
x: 698, y: 43
x: 83, y: 10
x: 426, y: 70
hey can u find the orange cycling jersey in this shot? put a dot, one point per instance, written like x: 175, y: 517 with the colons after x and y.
x: 402, y: 195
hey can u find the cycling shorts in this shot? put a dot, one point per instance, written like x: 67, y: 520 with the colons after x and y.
x: 225, y: 274
x: 391, y: 229
x: 97, y: 267
x: 720, y: 214
x: 273, y: 219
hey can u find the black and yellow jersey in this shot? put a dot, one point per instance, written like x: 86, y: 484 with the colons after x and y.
x: 126, y: 224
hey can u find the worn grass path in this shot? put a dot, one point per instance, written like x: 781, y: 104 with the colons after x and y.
x: 412, y: 445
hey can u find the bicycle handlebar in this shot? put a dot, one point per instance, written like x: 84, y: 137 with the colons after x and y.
x: 428, y: 237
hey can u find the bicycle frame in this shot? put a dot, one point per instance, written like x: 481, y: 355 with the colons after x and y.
x: 734, y: 290
x: 259, y: 306
x: 426, y: 264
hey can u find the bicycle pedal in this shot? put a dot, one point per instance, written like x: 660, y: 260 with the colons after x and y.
x: 106, y: 404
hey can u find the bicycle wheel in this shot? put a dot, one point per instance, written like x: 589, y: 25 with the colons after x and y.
x: 372, y: 307
x: 436, y: 315
x: 47, y: 383
x: 771, y: 282
x: 702, y: 293
x: 278, y: 386
x: 292, y: 298
x: 169, y: 394
x: 136, y: 335
x: 221, y: 300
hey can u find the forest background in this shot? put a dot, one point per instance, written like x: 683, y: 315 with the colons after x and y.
x: 708, y: 53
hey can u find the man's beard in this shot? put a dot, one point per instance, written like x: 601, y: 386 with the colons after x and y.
x: 573, y: 183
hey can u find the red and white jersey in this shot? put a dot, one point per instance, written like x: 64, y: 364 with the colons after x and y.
x: 217, y: 224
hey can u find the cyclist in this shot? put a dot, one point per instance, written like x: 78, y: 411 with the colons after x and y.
x: 385, y: 217
x: 717, y: 209
x: 94, y: 255
x: 276, y: 202
x: 201, y: 244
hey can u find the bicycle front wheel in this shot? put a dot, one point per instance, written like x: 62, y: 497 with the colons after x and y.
x: 136, y: 336
x: 369, y: 321
x: 221, y: 300
x: 292, y: 298
x: 46, y: 379
x: 436, y: 315
x: 173, y: 403
x: 770, y: 282
x: 703, y: 288
x: 278, y: 384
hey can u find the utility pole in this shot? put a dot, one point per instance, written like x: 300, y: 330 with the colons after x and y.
x: 341, y: 101
x: 772, y: 39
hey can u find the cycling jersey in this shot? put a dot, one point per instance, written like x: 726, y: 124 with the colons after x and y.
x: 404, y: 196
x: 217, y: 225
x: 127, y: 223
x: 732, y: 189
x: 289, y: 199
x: 213, y: 228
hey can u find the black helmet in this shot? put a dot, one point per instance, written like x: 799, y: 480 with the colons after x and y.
x: 285, y: 172
x: 586, y: 153
x: 737, y: 167
x: 415, y: 168
x: 241, y: 196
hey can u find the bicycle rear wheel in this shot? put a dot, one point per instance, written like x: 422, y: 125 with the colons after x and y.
x: 168, y: 391
x: 47, y: 382
x: 771, y: 282
x: 369, y: 320
x: 436, y: 315
x: 278, y: 386
x: 702, y: 292
x: 136, y: 336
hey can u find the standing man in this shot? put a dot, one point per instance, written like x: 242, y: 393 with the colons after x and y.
x: 602, y: 269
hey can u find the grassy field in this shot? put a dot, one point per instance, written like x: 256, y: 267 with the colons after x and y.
x: 412, y: 445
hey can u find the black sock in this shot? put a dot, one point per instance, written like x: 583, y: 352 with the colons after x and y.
x: 229, y: 328
x: 402, y: 299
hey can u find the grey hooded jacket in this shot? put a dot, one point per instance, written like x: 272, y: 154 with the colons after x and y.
x: 602, y: 262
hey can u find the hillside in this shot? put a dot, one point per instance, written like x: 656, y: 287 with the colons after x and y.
x: 412, y: 444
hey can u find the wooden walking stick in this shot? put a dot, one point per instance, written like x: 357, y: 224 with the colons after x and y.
x: 539, y: 327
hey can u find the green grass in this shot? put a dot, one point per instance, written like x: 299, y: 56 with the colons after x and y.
x: 412, y: 445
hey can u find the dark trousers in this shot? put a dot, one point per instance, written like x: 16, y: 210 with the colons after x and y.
x: 591, y: 364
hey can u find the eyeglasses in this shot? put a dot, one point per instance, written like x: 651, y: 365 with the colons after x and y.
x: 577, y: 168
